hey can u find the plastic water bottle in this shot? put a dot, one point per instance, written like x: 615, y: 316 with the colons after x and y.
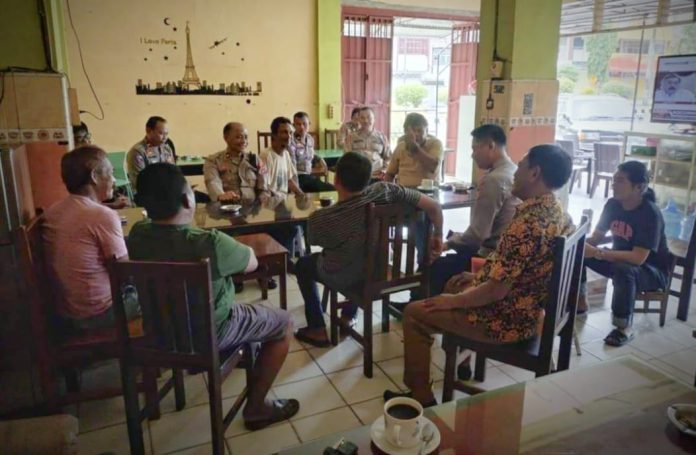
x: 673, y: 219
x: 687, y: 226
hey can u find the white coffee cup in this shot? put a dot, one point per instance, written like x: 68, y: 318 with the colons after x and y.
x: 403, y: 429
x: 427, y: 183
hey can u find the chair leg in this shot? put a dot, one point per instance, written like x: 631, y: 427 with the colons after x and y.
x: 179, y: 389
x: 263, y: 284
x: 216, y: 421
x: 450, y: 366
x: 324, y: 299
x: 606, y: 188
x: 151, y: 393
x: 367, y: 339
x: 663, y: 308
x: 334, y: 317
x: 576, y: 341
x: 595, y: 183
x: 480, y: 367
x: 283, y: 288
x: 385, y: 314
x: 130, y: 398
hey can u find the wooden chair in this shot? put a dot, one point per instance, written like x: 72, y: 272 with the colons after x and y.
x: 265, y: 137
x: 536, y: 354
x: 579, y: 164
x: 330, y: 139
x: 315, y: 136
x: 60, y: 353
x: 607, y: 159
x: 385, y: 229
x: 272, y: 257
x: 686, y: 259
x: 694, y: 335
x: 179, y: 333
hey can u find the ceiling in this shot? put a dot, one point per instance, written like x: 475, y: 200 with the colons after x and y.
x: 580, y: 17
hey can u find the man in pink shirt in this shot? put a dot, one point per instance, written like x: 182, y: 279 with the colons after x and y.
x: 80, y: 235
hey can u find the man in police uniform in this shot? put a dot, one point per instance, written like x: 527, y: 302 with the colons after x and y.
x: 152, y: 149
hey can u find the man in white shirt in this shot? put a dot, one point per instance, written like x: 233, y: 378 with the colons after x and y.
x: 670, y: 92
x: 282, y: 177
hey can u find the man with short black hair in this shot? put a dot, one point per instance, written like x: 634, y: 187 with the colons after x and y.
x: 503, y: 303
x: 169, y: 236
x: 301, y: 149
x: 81, y: 135
x: 418, y: 155
x: 282, y: 174
x: 152, y: 149
x: 340, y: 231
x: 349, y: 127
x: 493, y: 208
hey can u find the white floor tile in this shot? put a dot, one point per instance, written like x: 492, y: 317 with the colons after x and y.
x: 387, y: 346
x: 346, y: 354
x: 111, y: 440
x: 298, y: 365
x: 684, y: 360
x: 518, y: 374
x: 354, y: 386
x: 316, y: 395
x: 368, y: 411
x: 673, y: 372
x: 320, y: 425
x: 603, y: 351
x: 267, y: 441
x: 655, y: 344
x: 196, y: 393
x: 204, y: 449
x: 394, y: 368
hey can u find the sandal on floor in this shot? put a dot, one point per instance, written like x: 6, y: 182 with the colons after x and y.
x: 282, y: 410
x: 303, y: 336
x: 617, y: 338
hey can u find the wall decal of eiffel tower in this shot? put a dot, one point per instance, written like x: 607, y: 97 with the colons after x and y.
x: 190, y: 77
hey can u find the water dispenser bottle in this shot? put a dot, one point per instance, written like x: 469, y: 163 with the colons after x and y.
x: 673, y: 218
x: 687, y: 226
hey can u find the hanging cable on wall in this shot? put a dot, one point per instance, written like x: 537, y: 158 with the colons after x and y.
x: 84, y: 69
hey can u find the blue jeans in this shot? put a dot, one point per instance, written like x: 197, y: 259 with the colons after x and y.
x: 627, y: 280
x: 307, y: 272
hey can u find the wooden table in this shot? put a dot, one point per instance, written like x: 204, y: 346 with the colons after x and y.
x: 616, y: 406
x: 255, y: 217
x: 190, y: 165
x: 331, y: 156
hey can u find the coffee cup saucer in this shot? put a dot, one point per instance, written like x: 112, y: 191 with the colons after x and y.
x: 426, y: 189
x: 380, y: 440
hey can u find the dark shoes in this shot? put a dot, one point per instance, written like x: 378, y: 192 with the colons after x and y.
x: 582, y: 306
x: 315, y: 337
x: 389, y: 394
x: 281, y: 410
x: 272, y: 284
x: 345, y: 324
x: 618, y: 338
x: 238, y: 288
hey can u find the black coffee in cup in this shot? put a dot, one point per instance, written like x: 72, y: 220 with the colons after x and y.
x: 403, y: 412
x: 325, y: 201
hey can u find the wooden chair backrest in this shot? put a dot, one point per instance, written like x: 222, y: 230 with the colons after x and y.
x: 386, y: 224
x: 177, y: 305
x: 330, y: 138
x: 607, y: 157
x: 265, y: 137
x: 568, y: 255
x: 30, y: 245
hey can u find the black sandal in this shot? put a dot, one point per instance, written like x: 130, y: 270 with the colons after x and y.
x: 617, y: 338
x: 282, y: 410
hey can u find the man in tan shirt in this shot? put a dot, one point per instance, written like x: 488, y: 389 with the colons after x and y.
x: 492, y: 211
x: 417, y: 156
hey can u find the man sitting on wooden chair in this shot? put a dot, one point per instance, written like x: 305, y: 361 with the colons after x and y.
x: 340, y: 231
x: 169, y: 236
x: 80, y: 235
x: 503, y: 302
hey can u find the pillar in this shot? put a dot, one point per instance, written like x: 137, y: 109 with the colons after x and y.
x: 328, y: 66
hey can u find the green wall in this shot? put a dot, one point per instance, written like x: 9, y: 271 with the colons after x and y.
x: 20, y: 35
x: 328, y: 64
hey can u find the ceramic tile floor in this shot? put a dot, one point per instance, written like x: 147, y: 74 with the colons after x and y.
x: 333, y: 393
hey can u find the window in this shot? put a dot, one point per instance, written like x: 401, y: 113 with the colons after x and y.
x: 578, y: 42
x: 413, y: 46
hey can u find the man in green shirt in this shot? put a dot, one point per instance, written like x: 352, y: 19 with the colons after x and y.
x: 168, y: 236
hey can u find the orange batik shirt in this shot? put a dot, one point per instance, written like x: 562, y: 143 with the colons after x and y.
x: 523, y: 260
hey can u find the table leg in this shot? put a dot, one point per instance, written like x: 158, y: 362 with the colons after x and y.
x: 283, y: 277
x: 589, y: 175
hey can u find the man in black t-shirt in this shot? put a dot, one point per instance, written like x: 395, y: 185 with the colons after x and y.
x: 639, y: 257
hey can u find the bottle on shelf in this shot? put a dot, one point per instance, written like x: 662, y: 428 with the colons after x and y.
x: 673, y: 219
